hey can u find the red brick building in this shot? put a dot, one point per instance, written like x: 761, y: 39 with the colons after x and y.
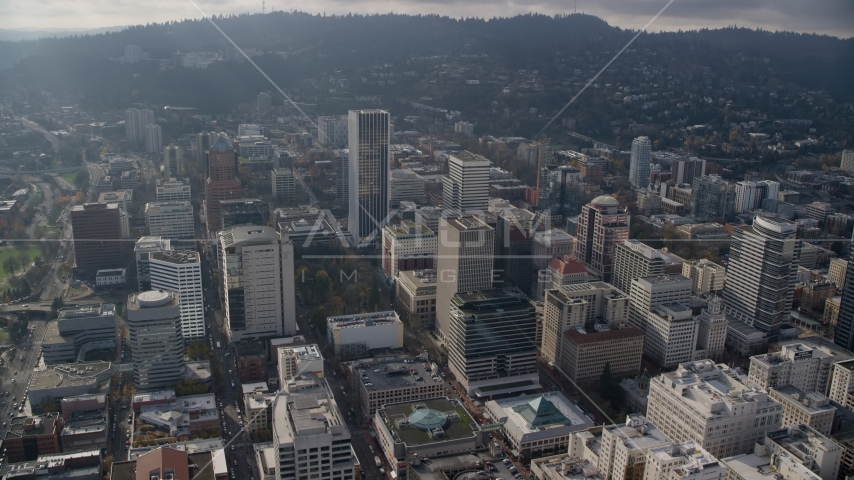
x: 252, y: 361
x: 30, y: 437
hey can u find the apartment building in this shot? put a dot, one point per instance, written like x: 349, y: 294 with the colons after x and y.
x: 713, y: 406
x: 801, y: 366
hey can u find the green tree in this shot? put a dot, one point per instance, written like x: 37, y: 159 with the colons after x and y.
x: 10, y: 265
x: 24, y: 260
x: 108, y: 463
x: 318, y: 319
x: 300, y: 279
x: 322, y: 284
x: 336, y: 305
x: 609, y: 388
x: 262, y: 435
x: 373, y: 299
x: 47, y: 405
x: 56, y: 304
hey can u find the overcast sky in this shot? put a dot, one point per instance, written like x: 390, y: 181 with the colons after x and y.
x: 833, y: 17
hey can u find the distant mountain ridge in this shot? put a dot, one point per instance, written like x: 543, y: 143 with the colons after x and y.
x: 33, y: 33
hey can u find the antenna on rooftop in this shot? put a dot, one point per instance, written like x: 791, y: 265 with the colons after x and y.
x: 264, y: 6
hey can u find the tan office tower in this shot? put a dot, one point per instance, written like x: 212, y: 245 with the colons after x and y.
x: 368, y: 132
x: 222, y: 182
x: 466, y: 252
x: 602, y: 225
x: 156, y: 343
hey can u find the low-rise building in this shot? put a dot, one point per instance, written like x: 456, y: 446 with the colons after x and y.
x: 537, y: 424
x: 353, y: 336
x: 258, y: 406
x: 109, y: 277
x: 190, y: 415
x: 85, y: 430
x: 429, y: 428
x: 762, y: 465
x: 842, y: 382
x: 79, y: 331
x: 682, y: 461
x: 252, y: 361
x: 299, y: 360
x: 68, y: 380
x: 565, y: 467
x: 61, y: 466
x: 706, y: 276
x: 811, y: 409
x: 166, y: 463
x: 146, y: 399
x: 30, y: 437
x: 379, y: 381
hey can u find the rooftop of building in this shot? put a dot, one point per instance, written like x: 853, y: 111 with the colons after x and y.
x: 22, y: 427
x: 466, y: 156
x: 243, y: 205
x: 418, y: 278
x: 302, y: 352
x: 708, y: 388
x: 569, y: 468
x: 362, y: 320
x: 87, y: 311
x: 753, y: 466
x: 693, y: 457
x: 428, y: 421
x: 535, y: 412
x: 181, y: 257
x: 800, y: 440
x: 183, y: 466
x: 153, y: 299
x: 307, y: 413
x: 158, y: 396
x: 491, y: 299
x: 394, y: 374
x: 553, y: 235
x: 251, y: 348
x: 248, y: 235
x: 790, y: 352
x: 61, y: 466
x: 664, y: 279
x: 605, y: 201
x: 583, y: 337
x: 94, y: 206
x: 567, y: 267
x: 190, y: 447
x: 407, y: 228
x: 68, y: 375
x: 810, y: 403
x: 467, y: 223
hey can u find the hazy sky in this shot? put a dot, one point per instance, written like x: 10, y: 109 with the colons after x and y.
x: 834, y: 17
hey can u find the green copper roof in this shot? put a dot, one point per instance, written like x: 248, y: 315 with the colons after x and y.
x: 540, y: 412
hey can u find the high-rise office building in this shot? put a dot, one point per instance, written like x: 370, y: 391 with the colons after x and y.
x: 153, y: 138
x: 640, y: 160
x: 514, y: 235
x: 284, y: 187
x: 203, y: 144
x: 332, y: 131
x: 466, y: 252
x: 692, y: 402
x: 646, y: 293
x: 671, y: 335
x: 97, y: 231
x: 492, y: 344
x: 243, y: 211
x: 171, y: 220
x: 602, y: 225
x: 257, y: 275
x: 686, y: 169
x: 156, y: 343
x: 760, y: 276
x: 172, y: 161
x: 173, y: 190
x: 222, y: 182
x: 135, y: 122
x: 707, y: 276
x: 181, y: 271
x: 711, y: 197
x: 560, y: 191
x: 342, y: 184
x: 265, y: 101
x: 142, y: 250
x: 633, y: 259
x: 466, y: 188
x: 405, y: 185
x: 749, y: 195
x: 408, y: 246
x: 844, y: 333
x: 837, y: 271
x: 847, y: 162
x: 368, y: 132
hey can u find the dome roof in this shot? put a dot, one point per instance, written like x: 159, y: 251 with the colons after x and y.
x: 605, y: 201
x: 427, y: 419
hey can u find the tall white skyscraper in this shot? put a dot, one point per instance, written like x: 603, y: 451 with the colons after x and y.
x: 153, y: 138
x: 368, y: 132
x: 156, y: 343
x: 639, y: 168
x: 466, y: 253
x: 466, y: 188
x: 142, y: 251
x: 761, y: 274
x: 258, y: 282
x: 135, y: 122
x: 181, y: 271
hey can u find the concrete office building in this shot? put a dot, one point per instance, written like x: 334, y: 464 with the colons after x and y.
x: 671, y: 335
x: 801, y: 366
x: 78, y: 331
x: 97, y: 232
x: 560, y: 273
x: 711, y: 197
x: 172, y: 161
x: 761, y: 464
x: 354, y: 336
x: 761, y: 273
x: 810, y: 448
x: 686, y: 169
x: 201, y: 146
x: 578, y: 305
x: 122, y: 197
x: 368, y: 132
x: 836, y: 272
x: 711, y: 330
x: 244, y: 211
x: 466, y: 188
x: 173, y: 221
x: 811, y: 409
x: 560, y: 191
x: 181, y: 271
x: 841, y: 383
x: 380, y: 382
x: 142, y: 249
x: 706, y: 276
x: 407, y: 246
x: 683, y: 461
x: 713, y: 406
x: 58, y: 382
x: 646, y: 293
x: 415, y: 298
x: 564, y: 467
x: 110, y: 277
x: 284, y: 187
x: 299, y: 360
x: 156, y: 343
x: 222, y: 183
x: 332, y: 131
x: 310, y: 423
x: 342, y: 183
x: 405, y: 186
x: 492, y: 342
x: 602, y: 225
x: 585, y: 353
x: 550, y: 244
x: 844, y: 333
x: 173, y: 191
x: 640, y: 160
x: 750, y: 195
x: 466, y: 253
x: 537, y: 424
x: 257, y: 282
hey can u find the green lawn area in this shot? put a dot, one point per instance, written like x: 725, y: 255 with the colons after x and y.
x: 46, y: 232
x: 5, y: 253
x: 69, y: 177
